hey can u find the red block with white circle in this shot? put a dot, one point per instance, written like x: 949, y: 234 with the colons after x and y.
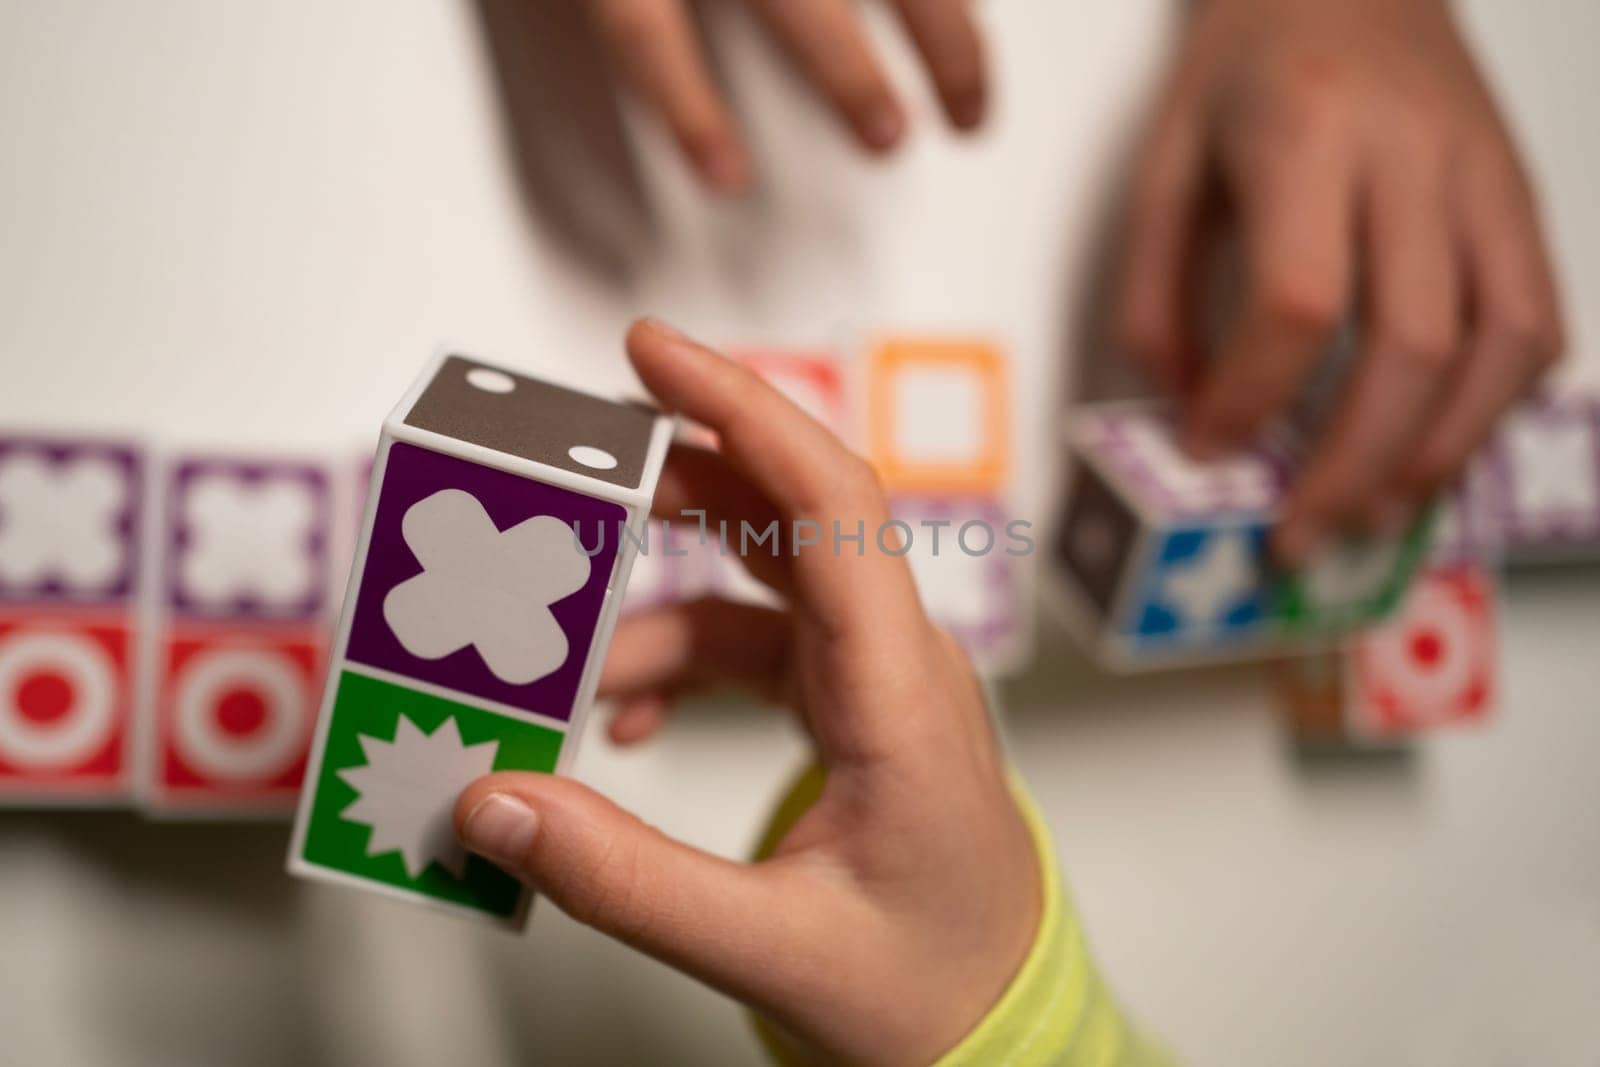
x: 234, y: 716
x: 66, y: 698
x: 1434, y: 664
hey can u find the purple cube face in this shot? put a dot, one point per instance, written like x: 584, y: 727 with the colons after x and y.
x: 484, y: 582
x: 965, y: 560
x: 248, y: 539
x: 1545, y: 469
x: 69, y: 520
x: 1138, y: 446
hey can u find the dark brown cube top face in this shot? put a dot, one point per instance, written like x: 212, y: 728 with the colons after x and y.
x: 535, y: 420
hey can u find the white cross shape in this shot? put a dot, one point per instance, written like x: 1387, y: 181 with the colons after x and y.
x: 485, y: 587
x: 248, y: 540
x: 1555, y: 479
x: 1212, y: 580
x: 57, y: 521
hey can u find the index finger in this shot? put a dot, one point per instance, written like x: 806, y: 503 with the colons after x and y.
x: 655, y: 45
x: 825, y: 494
x: 946, y: 35
x: 1297, y: 216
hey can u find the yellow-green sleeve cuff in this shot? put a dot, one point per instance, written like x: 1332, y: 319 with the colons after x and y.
x: 1056, y: 1011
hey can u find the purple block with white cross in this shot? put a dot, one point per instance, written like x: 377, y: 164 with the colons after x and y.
x: 1542, y: 475
x: 71, y: 511
x: 247, y: 548
x: 248, y: 538
x: 69, y: 520
x: 403, y: 594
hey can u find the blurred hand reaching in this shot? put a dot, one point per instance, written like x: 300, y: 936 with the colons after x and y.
x: 1358, y: 157
x: 657, y: 52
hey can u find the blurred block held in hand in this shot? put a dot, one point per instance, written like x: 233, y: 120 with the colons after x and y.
x: 1163, y: 560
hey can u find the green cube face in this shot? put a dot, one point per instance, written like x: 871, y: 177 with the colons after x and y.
x: 1353, y: 583
x: 394, y: 761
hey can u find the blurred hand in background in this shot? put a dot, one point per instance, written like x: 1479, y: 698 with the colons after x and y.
x: 893, y: 912
x: 1353, y: 153
x: 657, y: 51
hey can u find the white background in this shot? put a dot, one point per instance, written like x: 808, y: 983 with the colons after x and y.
x: 248, y: 223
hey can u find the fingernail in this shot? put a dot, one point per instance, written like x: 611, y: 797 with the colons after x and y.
x: 967, y: 111
x: 500, y: 828
x: 725, y: 169
x: 655, y: 325
x: 883, y: 126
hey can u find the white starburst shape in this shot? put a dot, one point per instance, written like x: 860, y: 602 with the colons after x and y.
x: 408, y: 789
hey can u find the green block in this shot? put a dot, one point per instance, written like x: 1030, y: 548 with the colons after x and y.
x: 1358, y: 583
x: 441, y: 734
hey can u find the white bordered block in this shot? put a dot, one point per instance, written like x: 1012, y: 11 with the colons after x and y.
x: 498, y: 539
x: 938, y: 415
x: 1433, y: 666
x: 1540, y: 481
x: 73, y: 512
x: 240, y: 623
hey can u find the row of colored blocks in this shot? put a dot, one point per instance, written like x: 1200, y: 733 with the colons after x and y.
x: 163, y: 625
x: 1530, y: 498
x: 932, y: 414
x: 1163, y: 560
x: 933, y: 417
x: 164, y: 620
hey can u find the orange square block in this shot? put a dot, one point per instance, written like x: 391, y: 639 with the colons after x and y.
x: 938, y: 415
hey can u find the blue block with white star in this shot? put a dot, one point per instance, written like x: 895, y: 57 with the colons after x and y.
x: 1163, y: 560
x: 1203, y: 587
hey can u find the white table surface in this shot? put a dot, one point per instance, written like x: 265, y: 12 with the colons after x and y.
x: 248, y: 223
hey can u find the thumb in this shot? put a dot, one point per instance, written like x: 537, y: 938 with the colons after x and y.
x: 719, y: 921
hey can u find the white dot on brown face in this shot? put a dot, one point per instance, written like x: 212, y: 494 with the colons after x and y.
x: 537, y: 421
x: 597, y: 458
x: 490, y: 381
